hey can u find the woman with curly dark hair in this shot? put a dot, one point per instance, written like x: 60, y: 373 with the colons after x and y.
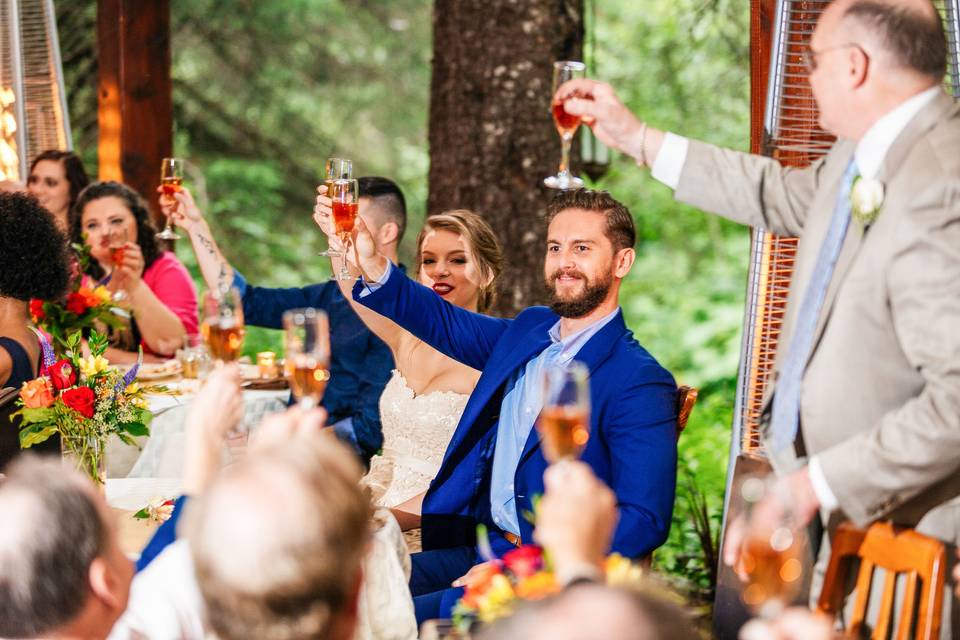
x: 150, y: 281
x: 33, y: 264
x: 56, y: 179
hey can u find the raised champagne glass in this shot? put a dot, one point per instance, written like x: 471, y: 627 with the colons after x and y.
x: 346, y: 201
x: 116, y: 243
x: 770, y: 558
x: 307, y: 361
x: 567, y: 124
x: 171, y: 181
x: 222, y: 327
x: 335, y: 169
x: 564, y: 422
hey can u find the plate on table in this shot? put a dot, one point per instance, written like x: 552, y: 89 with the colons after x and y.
x: 159, y: 370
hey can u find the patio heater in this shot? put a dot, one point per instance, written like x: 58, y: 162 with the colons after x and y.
x: 33, y: 107
x: 785, y: 127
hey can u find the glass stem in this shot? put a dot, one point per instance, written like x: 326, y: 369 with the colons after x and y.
x: 565, y: 140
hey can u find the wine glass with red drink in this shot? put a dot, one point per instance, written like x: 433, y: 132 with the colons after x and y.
x: 566, y: 123
x: 171, y: 181
x: 346, y: 198
x: 335, y: 169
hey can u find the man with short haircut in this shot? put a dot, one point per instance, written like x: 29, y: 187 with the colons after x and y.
x: 360, y: 363
x: 862, y: 417
x: 278, y: 542
x: 494, y: 466
x: 62, y: 573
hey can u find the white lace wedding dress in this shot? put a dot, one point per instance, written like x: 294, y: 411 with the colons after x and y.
x: 416, y: 431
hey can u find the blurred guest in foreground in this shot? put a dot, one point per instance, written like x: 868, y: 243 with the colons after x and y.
x: 56, y: 179
x: 113, y: 220
x: 62, y: 573
x: 33, y: 264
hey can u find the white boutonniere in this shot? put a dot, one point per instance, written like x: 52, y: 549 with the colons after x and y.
x: 866, y: 198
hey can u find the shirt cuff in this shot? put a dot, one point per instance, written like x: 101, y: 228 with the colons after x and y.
x: 240, y: 283
x: 370, y: 287
x: 828, y: 501
x: 344, y: 431
x: 669, y: 163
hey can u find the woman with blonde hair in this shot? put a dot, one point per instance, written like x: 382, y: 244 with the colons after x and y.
x: 459, y: 258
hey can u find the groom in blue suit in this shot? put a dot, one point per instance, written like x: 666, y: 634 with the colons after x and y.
x: 493, y: 466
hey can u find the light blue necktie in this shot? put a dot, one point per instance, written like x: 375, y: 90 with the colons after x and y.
x: 786, y: 400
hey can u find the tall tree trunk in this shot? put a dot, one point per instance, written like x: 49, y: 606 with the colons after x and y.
x: 492, y: 140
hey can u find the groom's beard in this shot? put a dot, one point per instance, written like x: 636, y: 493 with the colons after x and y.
x: 579, y: 304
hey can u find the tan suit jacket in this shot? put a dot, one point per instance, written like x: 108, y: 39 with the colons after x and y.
x: 880, y: 398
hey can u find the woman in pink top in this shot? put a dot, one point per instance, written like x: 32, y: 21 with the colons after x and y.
x: 113, y: 220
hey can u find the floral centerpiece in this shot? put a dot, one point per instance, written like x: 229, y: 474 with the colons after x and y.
x: 523, y: 574
x: 85, y: 400
x: 87, y: 305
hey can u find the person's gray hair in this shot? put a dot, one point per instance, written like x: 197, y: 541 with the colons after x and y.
x: 913, y: 38
x: 278, y: 540
x: 52, y: 532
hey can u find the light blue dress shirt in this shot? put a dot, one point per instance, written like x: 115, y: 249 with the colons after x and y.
x: 518, y: 412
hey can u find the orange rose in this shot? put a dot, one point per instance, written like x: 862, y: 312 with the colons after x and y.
x: 537, y: 586
x: 89, y: 297
x: 37, y: 393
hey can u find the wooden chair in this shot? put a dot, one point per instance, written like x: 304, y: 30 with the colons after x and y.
x: 686, y: 398
x: 899, y: 551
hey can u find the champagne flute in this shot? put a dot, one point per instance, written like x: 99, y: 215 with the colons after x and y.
x: 307, y: 365
x: 567, y: 124
x: 116, y: 242
x: 335, y: 169
x: 171, y: 179
x: 222, y: 326
x: 346, y: 202
x: 564, y: 421
x: 770, y: 557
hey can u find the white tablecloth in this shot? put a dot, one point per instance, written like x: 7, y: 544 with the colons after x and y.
x: 161, y: 454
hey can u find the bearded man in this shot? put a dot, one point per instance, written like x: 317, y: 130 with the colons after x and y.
x: 494, y: 466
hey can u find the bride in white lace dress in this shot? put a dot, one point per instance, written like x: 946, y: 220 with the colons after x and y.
x: 459, y: 258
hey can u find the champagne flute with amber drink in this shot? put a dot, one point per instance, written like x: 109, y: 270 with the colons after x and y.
x: 171, y: 180
x: 335, y: 169
x: 116, y: 243
x: 307, y: 362
x: 346, y: 202
x: 564, y: 422
x: 771, y: 554
x: 222, y: 327
x: 567, y: 124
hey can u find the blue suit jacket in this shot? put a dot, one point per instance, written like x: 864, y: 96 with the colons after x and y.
x: 632, y: 446
x: 360, y: 363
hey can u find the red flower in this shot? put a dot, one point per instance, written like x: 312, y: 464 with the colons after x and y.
x: 524, y: 561
x: 62, y: 375
x: 36, y: 310
x: 80, y: 400
x: 77, y: 303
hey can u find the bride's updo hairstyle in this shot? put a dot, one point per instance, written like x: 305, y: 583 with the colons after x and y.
x: 480, y: 240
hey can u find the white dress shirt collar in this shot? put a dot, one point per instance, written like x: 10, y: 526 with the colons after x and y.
x: 878, y: 139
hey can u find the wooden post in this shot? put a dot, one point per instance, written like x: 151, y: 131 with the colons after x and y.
x: 135, y: 105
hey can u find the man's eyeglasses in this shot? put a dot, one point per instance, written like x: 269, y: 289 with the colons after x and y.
x: 809, y: 55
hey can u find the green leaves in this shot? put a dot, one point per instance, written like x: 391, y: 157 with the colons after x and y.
x: 35, y: 434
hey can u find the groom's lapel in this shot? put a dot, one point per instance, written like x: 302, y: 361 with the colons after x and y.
x: 495, y: 375
x: 597, y: 349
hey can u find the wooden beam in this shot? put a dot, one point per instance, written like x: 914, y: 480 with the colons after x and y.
x: 135, y: 104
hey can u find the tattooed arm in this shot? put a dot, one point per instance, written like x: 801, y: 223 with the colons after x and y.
x: 183, y: 211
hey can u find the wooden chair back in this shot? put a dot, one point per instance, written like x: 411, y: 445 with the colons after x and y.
x: 899, y: 551
x: 686, y: 398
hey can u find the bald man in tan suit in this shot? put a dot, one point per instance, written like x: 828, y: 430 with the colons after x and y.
x: 863, y: 419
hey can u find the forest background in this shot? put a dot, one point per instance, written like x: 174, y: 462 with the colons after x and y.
x: 264, y: 91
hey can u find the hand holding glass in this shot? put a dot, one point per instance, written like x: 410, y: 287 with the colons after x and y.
x: 564, y: 422
x: 307, y: 362
x: 335, y: 169
x: 171, y: 179
x: 566, y: 125
x: 222, y: 327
